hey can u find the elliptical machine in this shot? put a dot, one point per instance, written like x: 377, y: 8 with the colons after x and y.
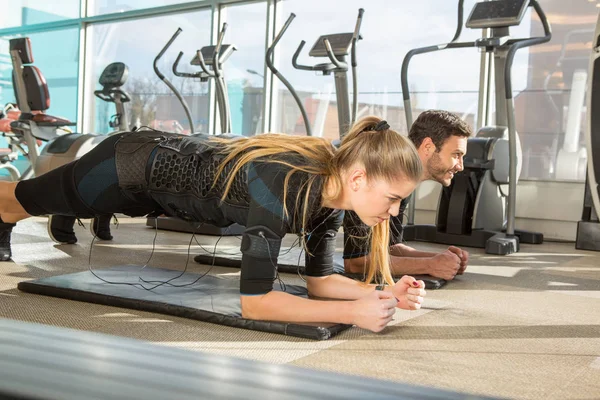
x: 478, y: 208
x: 210, y: 59
x: 336, y: 47
x: 588, y: 229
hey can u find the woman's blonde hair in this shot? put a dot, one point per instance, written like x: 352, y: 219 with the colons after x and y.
x: 384, y: 154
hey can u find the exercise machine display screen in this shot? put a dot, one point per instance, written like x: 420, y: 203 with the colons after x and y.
x: 340, y: 44
x: 114, y: 75
x: 208, y: 53
x: 499, y: 13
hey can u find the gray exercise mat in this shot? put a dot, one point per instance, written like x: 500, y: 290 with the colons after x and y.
x: 291, y: 260
x: 205, y: 298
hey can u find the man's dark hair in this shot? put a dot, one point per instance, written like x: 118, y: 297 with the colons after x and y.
x: 438, y: 125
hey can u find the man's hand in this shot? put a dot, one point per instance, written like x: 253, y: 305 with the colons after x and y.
x: 409, y: 292
x: 464, y: 258
x: 375, y: 311
x: 445, y: 265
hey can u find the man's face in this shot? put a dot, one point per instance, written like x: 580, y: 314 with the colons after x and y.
x: 443, y: 164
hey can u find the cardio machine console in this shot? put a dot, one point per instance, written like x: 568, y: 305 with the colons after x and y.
x: 114, y: 75
x: 340, y: 44
x: 498, y: 13
x: 209, y: 51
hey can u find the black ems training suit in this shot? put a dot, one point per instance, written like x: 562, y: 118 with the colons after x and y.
x: 151, y: 172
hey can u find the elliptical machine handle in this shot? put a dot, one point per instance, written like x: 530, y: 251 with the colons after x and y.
x: 521, y: 43
x: 269, y: 62
x: 186, y: 108
x: 203, y: 64
x: 332, y: 57
x: 216, y: 61
x: 295, y: 59
x: 162, y: 52
x: 459, y: 25
x: 176, y: 64
x: 184, y: 74
x: 356, y: 36
x: 271, y: 49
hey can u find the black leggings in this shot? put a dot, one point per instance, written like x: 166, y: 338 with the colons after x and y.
x: 83, y: 188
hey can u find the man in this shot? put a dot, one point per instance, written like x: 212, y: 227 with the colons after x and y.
x: 441, y: 141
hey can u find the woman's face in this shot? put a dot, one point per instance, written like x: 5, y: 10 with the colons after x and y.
x: 375, y: 200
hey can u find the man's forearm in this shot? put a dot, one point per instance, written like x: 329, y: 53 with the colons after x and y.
x: 399, y: 265
x: 410, y: 265
x: 402, y: 250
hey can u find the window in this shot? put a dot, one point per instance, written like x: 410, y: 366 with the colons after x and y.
x: 244, y: 70
x: 28, y: 12
x: 389, y: 29
x: 550, y: 106
x: 136, y: 43
x: 99, y: 7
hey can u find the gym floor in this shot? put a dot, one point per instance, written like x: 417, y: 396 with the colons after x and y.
x: 523, y: 326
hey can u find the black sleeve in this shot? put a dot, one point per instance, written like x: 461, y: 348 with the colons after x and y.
x: 321, y: 242
x: 396, y: 224
x: 357, y: 242
x: 268, y: 222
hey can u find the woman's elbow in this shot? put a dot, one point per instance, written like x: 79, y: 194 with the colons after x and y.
x: 316, y: 285
x: 252, y: 306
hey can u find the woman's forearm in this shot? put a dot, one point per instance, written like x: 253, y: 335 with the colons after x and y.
x: 279, y: 306
x: 337, y: 287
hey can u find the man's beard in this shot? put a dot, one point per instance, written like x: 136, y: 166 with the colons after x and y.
x: 436, y: 170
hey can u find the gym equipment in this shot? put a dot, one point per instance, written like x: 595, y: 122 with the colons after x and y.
x: 33, y: 98
x: 588, y: 229
x: 291, y: 261
x: 478, y: 208
x: 113, y: 77
x: 9, y: 154
x: 204, y: 298
x: 210, y: 59
x: 47, y: 362
x: 215, y: 57
x: 336, y: 47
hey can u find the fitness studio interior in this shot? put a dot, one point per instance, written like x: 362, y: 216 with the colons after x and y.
x: 297, y: 199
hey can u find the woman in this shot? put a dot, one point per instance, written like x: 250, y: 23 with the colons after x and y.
x: 273, y: 184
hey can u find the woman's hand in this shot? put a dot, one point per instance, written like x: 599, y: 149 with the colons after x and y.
x: 374, y: 311
x: 409, y: 292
